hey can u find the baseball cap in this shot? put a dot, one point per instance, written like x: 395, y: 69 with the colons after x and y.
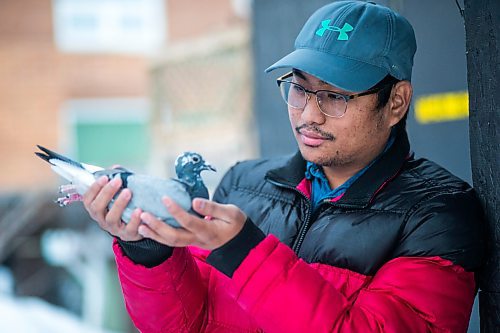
x: 353, y: 45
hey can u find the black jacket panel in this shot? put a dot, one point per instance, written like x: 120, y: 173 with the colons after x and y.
x: 400, y: 207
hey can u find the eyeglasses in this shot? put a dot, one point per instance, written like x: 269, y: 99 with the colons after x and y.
x: 330, y: 103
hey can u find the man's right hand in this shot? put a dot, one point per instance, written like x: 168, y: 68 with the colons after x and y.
x: 96, y: 201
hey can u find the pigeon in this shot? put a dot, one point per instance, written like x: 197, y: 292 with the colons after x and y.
x: 147, y: 191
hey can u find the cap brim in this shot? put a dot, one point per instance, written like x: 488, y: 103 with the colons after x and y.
x: 346, y: 74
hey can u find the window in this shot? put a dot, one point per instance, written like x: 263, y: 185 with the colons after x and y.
x: 109, y: 26
x: 104, y: 132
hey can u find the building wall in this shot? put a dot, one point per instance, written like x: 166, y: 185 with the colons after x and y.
x: 28, y: 101
x: 37, y: 80
x: 193, y: 18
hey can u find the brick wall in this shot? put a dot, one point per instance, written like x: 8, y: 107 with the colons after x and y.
x: 191, y: 18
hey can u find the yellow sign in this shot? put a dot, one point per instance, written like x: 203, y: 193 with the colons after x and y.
x: 442, y: 107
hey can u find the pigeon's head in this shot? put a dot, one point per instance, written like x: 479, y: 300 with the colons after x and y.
x: 189, y: 165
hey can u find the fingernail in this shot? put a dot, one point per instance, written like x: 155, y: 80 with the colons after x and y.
x: 126, y: 194
x: 102, y: 180
x: 115, y: 182
x: 200, y: 203
x: 141, y: 231
x: 167, y: 201
x: 144, y: 217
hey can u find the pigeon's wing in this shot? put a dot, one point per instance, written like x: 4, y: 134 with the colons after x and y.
x: 147, y: 193
x: 110, y: 173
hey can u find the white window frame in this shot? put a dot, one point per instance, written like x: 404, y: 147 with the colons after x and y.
x: 107, y: 30
x: 97, y: 111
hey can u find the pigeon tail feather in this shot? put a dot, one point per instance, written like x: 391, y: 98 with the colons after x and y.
x: 50, y: 155
x: 78, y: 173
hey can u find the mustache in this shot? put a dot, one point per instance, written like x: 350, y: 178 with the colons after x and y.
x: 316, y: 129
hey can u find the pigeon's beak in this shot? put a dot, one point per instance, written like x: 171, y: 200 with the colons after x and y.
x: 207, y: 166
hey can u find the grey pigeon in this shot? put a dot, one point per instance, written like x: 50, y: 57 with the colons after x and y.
x: 147, y: 191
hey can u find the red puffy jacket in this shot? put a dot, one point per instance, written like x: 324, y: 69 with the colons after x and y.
x: 274, y: 291
x: 396, y: 253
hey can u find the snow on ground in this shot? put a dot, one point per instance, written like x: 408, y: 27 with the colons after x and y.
x: 33, y: 315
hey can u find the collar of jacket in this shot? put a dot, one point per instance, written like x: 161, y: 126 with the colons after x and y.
x: 364, y: 189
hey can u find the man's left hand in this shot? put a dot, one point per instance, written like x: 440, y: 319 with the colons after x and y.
x: 222, y: 223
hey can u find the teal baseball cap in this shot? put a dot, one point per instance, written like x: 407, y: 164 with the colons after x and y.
x: 353, y: 45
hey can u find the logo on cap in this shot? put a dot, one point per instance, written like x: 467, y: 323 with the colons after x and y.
x: 325, y: 25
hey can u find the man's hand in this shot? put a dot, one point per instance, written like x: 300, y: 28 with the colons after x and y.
x: 96, y: 201
x: 222, y: 223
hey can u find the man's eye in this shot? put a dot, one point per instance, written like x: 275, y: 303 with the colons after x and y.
x: 333, y: 97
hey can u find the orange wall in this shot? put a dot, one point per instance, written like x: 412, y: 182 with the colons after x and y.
x: 192, y: 18
x: 29, y: 90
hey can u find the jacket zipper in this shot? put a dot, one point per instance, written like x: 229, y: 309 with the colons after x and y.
x: 305, y: 226
x: 302, y: 233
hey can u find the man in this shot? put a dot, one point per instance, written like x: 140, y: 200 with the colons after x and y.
x: 351, y: 234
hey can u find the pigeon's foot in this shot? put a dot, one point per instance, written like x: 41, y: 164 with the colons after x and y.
x: 68, y: 199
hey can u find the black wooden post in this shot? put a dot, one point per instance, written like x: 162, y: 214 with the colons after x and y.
x: 482, y: 28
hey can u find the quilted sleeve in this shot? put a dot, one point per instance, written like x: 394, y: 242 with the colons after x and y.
x: 169, y: 297
x: 408, y: 294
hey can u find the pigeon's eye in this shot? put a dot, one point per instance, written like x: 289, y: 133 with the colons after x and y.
x: 196, y: 159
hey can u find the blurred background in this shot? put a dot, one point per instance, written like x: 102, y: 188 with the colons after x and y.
x: 137, y: 82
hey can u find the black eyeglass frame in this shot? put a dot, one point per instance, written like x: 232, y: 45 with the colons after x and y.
x: 347, y: 98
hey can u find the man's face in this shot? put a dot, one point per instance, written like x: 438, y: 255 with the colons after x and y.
x: 349, y: 142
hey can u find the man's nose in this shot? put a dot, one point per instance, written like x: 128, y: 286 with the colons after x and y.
x: 311, y: 112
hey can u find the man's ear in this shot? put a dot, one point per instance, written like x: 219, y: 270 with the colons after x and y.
x: 399, y: 102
